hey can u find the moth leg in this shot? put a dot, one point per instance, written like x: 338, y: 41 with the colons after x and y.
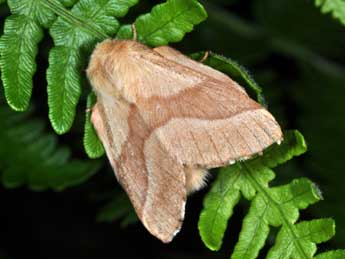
x: 204, y: 57
x: 196, y: 178
x: 134, y: 30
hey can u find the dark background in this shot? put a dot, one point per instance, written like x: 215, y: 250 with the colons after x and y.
x: 292, y: 50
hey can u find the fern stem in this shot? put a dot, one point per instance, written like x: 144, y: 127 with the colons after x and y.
x: 68, y: 16
x: 261, y: 189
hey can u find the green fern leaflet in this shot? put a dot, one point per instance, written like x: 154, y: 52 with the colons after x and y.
x: 335, y: 7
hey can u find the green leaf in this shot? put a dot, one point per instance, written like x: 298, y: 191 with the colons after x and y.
x: 35, y: 10
x: 225, y: 191
x: 325, y: 166
x: 63, y: 76
x: 293, y: 145
x: 88, y: 22
x: 125, y: 32
x: 74, y: 173
x: 68, y: 3
x: 272, y: 206
x: 130, y: 219
x: 302, y: 243
x: 254, y: 230
x: 18, y: 49
x: 237, y: 72
x: 93, y: 146
x: 218, y: 208
x: 335, y: 254
x: 168, y: 22
x: 41, y: 164
x: 119, y: 208
x: 336, y: 7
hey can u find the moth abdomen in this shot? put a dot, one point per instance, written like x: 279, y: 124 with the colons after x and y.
x: 196, y: 178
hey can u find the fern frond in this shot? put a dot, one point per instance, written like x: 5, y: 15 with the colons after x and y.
x: 335, y: 7
x: 30, y: 157
x: 167, y: 22
x: 270, y: 206
x: 120, y: 208
x: 68, y: 3
x: 18, y: 48
x: 92, y: 145
x: 64, y: 86
x: 230, y: 182
x: 35, y: 10
x: 303, y: 243
x: 335, y: 254
x: 88, y: 21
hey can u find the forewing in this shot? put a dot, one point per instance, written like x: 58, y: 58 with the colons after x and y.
x: 178, y: 57
x: 154, y: 181
x: 210, y: 123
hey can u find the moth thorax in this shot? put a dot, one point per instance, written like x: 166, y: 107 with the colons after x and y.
x: 195, y: 178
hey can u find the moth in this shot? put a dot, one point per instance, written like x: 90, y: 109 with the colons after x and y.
x: 164, y: 120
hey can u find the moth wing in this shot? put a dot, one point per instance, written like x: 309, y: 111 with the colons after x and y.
x: 154, y: 181
x: 208, y: 120
x: 176, y: 56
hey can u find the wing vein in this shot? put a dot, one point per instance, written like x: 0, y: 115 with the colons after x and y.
x: 197, y: 146
x: 262, y: 127
x: 229, y: 142
x: 213, y: 144
x: 256, y: 137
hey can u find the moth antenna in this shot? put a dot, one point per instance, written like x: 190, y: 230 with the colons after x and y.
x: 134, y: 30
x: 207, y: 53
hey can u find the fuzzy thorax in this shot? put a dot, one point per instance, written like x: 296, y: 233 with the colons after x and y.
x: 114, y: 71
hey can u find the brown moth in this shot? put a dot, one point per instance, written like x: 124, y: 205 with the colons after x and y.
x: 164, y: 119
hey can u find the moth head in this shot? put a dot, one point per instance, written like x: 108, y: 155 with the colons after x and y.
x: 112, y: 67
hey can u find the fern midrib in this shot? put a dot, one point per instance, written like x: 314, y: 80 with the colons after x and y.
x: 96, y: 12
x: 256, y: 227
x: 166, y: 23
x: 262, y: 190
x: 295, y: 197
x: 72, y: 19
x: 63, y: 107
